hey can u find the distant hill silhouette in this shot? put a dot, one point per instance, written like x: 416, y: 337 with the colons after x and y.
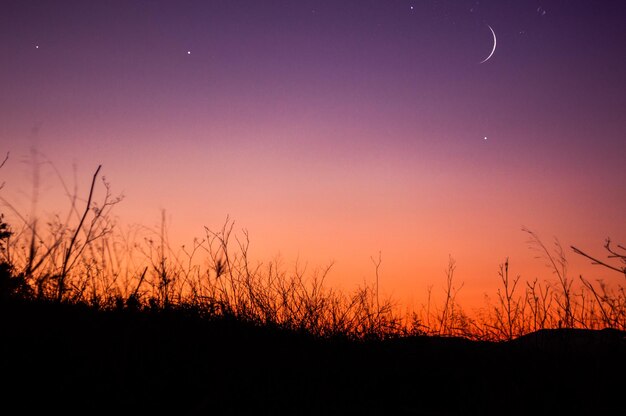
x: 77, y: 359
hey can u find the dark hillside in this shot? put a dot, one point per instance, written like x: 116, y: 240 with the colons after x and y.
x: 73, y: 358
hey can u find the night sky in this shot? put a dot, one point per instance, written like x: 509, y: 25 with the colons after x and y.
x: 332, y: 130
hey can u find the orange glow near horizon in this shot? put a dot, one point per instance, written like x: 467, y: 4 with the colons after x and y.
x: 333, y: 135
x: 347, y: 220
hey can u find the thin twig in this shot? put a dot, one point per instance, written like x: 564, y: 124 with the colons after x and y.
x: 68, y: 253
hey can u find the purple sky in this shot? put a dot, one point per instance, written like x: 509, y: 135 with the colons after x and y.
x: 332, y: 129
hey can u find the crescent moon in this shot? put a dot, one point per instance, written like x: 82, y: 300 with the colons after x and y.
x: 494, y: 45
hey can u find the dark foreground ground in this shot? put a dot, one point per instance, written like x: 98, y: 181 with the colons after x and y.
x: 75, y: 360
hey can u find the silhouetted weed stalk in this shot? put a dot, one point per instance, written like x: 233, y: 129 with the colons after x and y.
x: 84, y: 258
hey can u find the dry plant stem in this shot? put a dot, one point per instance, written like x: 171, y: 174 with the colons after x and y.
x: 33, y: 209
x: 31, y: 266
x: 600, y: 262
x: 428, y: 304
x: 612, y: 308
x: 448, y: 313
x: 4, y: 160
x: 614, y: 253
x: 377, y: 269
x: 68, y: 253
x: 539, y: 300
x: 559, y: 267
x: 511, y: 307
x: 162, y: 271
x: 1, y: 165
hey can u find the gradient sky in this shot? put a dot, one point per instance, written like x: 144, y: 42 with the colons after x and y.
x: 332, y: 130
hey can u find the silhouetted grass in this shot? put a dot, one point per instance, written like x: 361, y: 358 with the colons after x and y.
x: 84, y: 258
x: 96, y: 319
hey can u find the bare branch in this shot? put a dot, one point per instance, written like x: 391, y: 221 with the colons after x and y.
x: 598, y: 262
